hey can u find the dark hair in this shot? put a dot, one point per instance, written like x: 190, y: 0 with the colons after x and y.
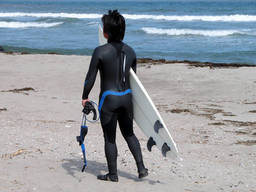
x: 114, y: 25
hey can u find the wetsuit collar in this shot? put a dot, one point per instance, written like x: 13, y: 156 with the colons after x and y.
x: 113, y: 41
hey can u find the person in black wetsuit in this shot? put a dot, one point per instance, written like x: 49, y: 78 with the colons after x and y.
x: 114, y: 61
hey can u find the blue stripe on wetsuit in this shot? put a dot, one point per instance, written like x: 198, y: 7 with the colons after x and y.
x: 85, y: 82
x: 106, y: 93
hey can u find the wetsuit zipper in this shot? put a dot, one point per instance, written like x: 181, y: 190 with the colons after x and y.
x: 124, y: 64
x: 122, y: 71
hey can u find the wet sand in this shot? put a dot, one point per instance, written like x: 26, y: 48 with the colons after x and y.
x: 210, y: 111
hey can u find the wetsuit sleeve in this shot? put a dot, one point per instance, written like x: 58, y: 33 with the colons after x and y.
x: 91, y: 74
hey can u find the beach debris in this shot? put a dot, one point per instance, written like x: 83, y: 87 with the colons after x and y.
x: 18, y: 153
x: 250, y: 103
x: 216, y: 123
x: 211, y: 65
x: 253, y: 111
x: 39, y: 150
x: 22, y: 90
x: 12, y: 155
x: 242, y: 132
x: 51, y: 168
x: 247, y: 142
x: 205, y: 112
x: 162, y: 107
x: 228, y: 114
x: 24, y: 53
x: 3, y: 109
x: 178, y: 111
x: 53, y: 53
x: 70, y: 121
x: 240, y: 123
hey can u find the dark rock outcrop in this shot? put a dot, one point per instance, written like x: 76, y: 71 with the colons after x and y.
x: 1, y: 49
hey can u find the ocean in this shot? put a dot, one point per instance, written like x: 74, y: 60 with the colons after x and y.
x: 221, y: 31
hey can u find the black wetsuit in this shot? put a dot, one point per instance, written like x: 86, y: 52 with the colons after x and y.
x: 114, y: 61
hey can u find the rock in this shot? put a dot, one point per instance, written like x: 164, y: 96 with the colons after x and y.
x: 1, y: 49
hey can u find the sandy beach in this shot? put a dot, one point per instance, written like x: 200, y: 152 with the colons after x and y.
x: 210, y: 111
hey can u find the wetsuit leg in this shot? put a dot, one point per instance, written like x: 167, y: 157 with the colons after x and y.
x: 109, y: 131
x: 126, y: 125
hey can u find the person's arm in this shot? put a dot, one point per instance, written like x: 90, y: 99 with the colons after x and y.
x: 91, y: 74
x: 134, y: 64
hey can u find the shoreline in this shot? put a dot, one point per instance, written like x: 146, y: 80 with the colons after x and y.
x: 193, y: 63
x: 151, y: 61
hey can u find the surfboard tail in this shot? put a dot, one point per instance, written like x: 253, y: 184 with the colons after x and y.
x: 158, y: 125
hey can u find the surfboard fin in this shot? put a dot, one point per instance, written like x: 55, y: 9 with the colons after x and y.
x: 158, y: 125
x: 165, y: 149
x: 150, y: 143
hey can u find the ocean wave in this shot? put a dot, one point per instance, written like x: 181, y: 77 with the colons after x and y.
x: 177, y: 32
x: 93, y: 23
x: 52, y: 15
x: 223, y: 18
x: 217, y: 18
x: 4, y: 24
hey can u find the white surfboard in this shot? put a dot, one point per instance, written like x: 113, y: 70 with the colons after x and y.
x: 147, y: 116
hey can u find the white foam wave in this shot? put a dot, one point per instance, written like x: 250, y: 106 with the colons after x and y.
x: 4, y: 24
x: 52, y: 15
x: 218, y: 18
x: 177, y: 32
x: 93, y: 23
x: 223, y: 18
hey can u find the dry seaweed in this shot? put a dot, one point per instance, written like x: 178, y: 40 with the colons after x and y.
x: 217, y: 123
x: 250, y: 103
x: 193, y: 63
x: 3, y: 109
x: 178, y: 111
x: 247, y: 142
x: 12, y: 155
x: 22, y: 90
x: 240, y: 123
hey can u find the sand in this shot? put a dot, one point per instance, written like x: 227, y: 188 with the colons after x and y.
x: 211, y: 113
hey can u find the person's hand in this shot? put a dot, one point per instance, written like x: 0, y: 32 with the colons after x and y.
x: 84, y: 101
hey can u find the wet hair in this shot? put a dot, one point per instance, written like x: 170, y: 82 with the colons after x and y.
x: 114, y: 25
